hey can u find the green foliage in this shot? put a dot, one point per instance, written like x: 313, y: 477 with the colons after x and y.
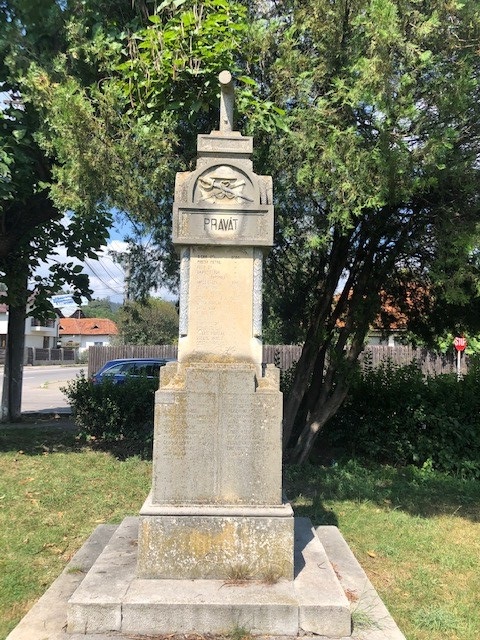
x: 173, y: 65
x: 286, y: 377
x: 376, y: 181
x: 122, y: 105
x: 183, y: 48
x: 101, y: 308
x: 392, y: 414
x: 114, y: 415
x: 153, y: 321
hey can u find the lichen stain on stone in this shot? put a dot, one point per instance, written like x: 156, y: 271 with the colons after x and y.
x: 196, y: 543
x: 211, y: 358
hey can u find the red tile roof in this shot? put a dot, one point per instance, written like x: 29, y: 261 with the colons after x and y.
x: 87, y: 327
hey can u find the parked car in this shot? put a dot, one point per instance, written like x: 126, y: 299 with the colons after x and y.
x: 118, y: 370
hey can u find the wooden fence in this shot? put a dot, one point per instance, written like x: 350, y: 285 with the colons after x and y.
x: 284, y: 356
x: 432, y: 363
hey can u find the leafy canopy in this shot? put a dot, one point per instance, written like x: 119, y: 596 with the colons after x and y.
x: 154, y: 321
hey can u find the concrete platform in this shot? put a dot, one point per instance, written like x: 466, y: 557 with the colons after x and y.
x: 111, y: 598
x: 47, y: 620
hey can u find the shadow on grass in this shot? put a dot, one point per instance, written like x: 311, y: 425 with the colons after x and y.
x: 39, y: 435
x: 420, y: 493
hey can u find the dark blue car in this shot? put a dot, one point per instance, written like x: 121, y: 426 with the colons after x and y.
x: 118, y: 370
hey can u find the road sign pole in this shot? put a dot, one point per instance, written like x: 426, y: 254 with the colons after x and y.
x: 460, y: 344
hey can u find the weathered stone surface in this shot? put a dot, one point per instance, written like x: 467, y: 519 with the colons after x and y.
x: 217, y: 436
x: 223, y: 144
x: 47, y: 618
x: 216, y: 546
x: 323, y: 602
x: 220, y: 332
x: 97, y: 606
x: 113, y: 598
x: 210, y: 606
x: 223, y: 202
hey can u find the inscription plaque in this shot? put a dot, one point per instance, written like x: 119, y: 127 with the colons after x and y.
x: 224, y: 329
x: 197, y: 225
x: 226, y: 204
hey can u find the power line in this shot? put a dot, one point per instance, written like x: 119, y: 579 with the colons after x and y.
x: 110, y: 275
x: 105, y: 284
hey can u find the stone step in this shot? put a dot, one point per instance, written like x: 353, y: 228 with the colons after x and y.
x: 112, y: 599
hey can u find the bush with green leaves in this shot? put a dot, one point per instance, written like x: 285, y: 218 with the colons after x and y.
x: 395, y: 415
x: 114, y: 414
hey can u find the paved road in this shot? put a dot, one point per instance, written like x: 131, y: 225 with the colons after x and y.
x: 41, y: 388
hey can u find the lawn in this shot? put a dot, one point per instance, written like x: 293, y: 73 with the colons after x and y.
x: 415, y: 532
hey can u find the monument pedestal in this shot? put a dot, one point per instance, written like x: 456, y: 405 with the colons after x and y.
x: 111, y: 598
x: 224, y: 517
x: 218, y: 435
x: 214, y: 547
x: 215, y: 543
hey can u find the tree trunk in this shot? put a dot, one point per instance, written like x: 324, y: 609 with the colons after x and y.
x: 11, y: 409
x: 315, y: 423
x: 316, y: 340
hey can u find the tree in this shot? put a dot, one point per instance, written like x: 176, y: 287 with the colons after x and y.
x: 32, y: 226
x: 376, y: 181
x: 101, y: 308
x: 151, y: 322
x: 382, y: 102
x: 61, y: 66
x: 124, y: 136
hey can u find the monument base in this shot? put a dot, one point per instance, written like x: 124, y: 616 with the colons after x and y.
x: 111, y: 598
x: 222, y: 543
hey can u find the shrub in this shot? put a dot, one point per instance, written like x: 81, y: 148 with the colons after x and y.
x: 114, y: 414
x: 394, y: 415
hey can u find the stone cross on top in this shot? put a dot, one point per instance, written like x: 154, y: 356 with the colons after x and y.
x: 227, y: 99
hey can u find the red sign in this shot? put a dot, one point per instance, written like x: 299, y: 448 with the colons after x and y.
x: 460, y: 343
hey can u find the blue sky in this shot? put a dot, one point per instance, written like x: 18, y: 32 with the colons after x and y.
x: 107, y: 278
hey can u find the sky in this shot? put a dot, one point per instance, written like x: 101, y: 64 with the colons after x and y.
x: 107, y: 278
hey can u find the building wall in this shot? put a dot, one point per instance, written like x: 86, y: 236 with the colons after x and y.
x: 3, y: 330
x: 42, y: 335
x: 84, y: 342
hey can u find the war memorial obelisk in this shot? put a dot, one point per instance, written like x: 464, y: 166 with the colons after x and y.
x: 216, y: 504
x: 216, y: 547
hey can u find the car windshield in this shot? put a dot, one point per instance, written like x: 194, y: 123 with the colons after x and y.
x: 149, y: 369
x: 120, y: 367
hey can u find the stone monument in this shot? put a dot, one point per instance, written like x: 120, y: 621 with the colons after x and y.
x: 216, y: 500
x: 218, y: 546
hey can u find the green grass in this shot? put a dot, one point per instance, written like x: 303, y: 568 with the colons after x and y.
x: 52, y: 496
x: 415, y: 532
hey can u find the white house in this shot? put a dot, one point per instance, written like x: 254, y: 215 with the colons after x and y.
x: 86, y: 332
x: 42, y: 334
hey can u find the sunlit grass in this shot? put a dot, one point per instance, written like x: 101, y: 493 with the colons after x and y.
x: 52, y: 496
x: 416, y: 533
